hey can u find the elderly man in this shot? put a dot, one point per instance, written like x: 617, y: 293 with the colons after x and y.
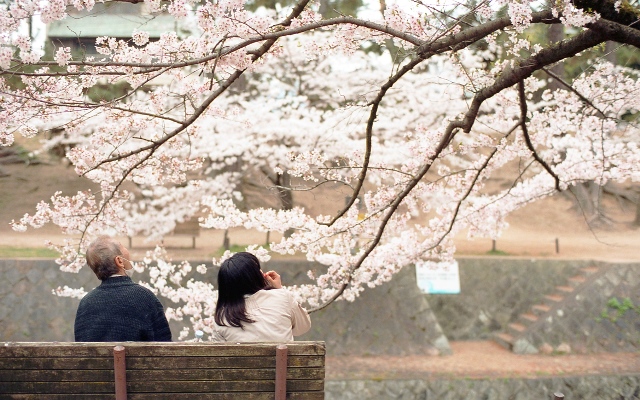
x: 118, y: 310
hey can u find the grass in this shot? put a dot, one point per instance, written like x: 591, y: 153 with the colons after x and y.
x: 234, y: 248
x: 26, y: 252
x: 497, y: 253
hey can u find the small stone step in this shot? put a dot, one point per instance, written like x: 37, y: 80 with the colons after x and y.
x: 504, y: 339
x: 529, y: 318
x: 589, y: 270
x: 540, y: 309
x: 565, y: 289
x: 517, y: 328
x: 556, y: 298
x: 577, y: 280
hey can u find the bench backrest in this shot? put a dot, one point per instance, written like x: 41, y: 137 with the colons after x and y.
x: 154, y: 370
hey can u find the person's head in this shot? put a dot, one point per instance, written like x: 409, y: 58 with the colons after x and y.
x: 239, y: 275
x: 107, y: 257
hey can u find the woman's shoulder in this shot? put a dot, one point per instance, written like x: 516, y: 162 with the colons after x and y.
x: 272, y: 294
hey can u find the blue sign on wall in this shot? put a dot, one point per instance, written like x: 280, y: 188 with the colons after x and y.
x: 438, y: 277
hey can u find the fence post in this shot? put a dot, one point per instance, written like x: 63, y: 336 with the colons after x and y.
x: 120, y: 372
x: 281, y: 372
x: 225, y: 240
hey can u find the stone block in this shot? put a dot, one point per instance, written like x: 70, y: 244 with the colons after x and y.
x: 51, y: 274
x: 21, y: 288
x: 546, y: 348
x: 35, y: 275
x: 12, y: 276
x: 523, y: 346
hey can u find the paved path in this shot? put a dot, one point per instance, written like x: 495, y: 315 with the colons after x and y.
x: 481, y: 359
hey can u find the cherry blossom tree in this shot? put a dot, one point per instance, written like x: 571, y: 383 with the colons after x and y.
x: 448, y: 95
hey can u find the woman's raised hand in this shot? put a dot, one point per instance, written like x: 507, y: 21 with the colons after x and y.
x: 273, y: 279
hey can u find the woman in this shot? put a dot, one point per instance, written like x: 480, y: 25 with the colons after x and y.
x: 253, y: 307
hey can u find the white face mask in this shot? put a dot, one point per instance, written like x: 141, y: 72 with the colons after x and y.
x: 129, y: 272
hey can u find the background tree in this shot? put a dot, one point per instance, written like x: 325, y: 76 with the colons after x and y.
x: 413, y: 133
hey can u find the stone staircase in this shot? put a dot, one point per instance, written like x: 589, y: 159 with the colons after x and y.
x: 552, y: 304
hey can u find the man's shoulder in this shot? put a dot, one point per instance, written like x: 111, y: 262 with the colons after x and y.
x: 92, y: 297
x: 140, y: 290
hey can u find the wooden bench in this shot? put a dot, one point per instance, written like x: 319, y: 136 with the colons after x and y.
x: 156, y: 370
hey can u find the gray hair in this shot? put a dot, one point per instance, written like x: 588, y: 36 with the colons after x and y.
x: 101, y: 255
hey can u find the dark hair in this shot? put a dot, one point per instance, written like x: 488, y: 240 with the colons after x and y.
x: 101, y: 255
x: 239, y: 275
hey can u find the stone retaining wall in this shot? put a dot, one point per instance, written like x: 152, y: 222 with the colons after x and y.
x: 623, y: 387
x: 393, y: 319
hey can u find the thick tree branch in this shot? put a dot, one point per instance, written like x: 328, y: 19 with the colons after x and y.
x: 468, y: 36
x: 624, y: 13
x: 617, y: 32
x: 524, y: 68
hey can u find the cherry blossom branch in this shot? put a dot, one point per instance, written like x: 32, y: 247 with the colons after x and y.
x: 527, y: 139
x: 464, y: 38
x: 464, y: 197
x: 388, y: 169
x: 451, y: 42
x: 444, y: 141
x: 454, y: 42
x: 525, y: 68
x: 156, y: 144
x: 311, y: 188
x: 278, y: 33
x: 375, y: 103
x: 577, y: 93
x: 61, y: 74
x: 508, y: 78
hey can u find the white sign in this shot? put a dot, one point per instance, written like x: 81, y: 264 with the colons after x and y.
x: 438, y: 277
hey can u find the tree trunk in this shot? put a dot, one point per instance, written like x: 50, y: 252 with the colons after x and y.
x: 587, y: 195
x: 284, y: 191
x: 285, y: 194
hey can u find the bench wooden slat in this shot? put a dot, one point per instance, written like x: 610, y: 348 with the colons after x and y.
x: 134, y: 363
x: 158, y: 349
x: 159, y: 386
x: 35, y: 375
x: 171, y: 396
x: 226, y: 396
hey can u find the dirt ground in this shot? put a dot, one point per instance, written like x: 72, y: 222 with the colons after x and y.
x: 532, y: 233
